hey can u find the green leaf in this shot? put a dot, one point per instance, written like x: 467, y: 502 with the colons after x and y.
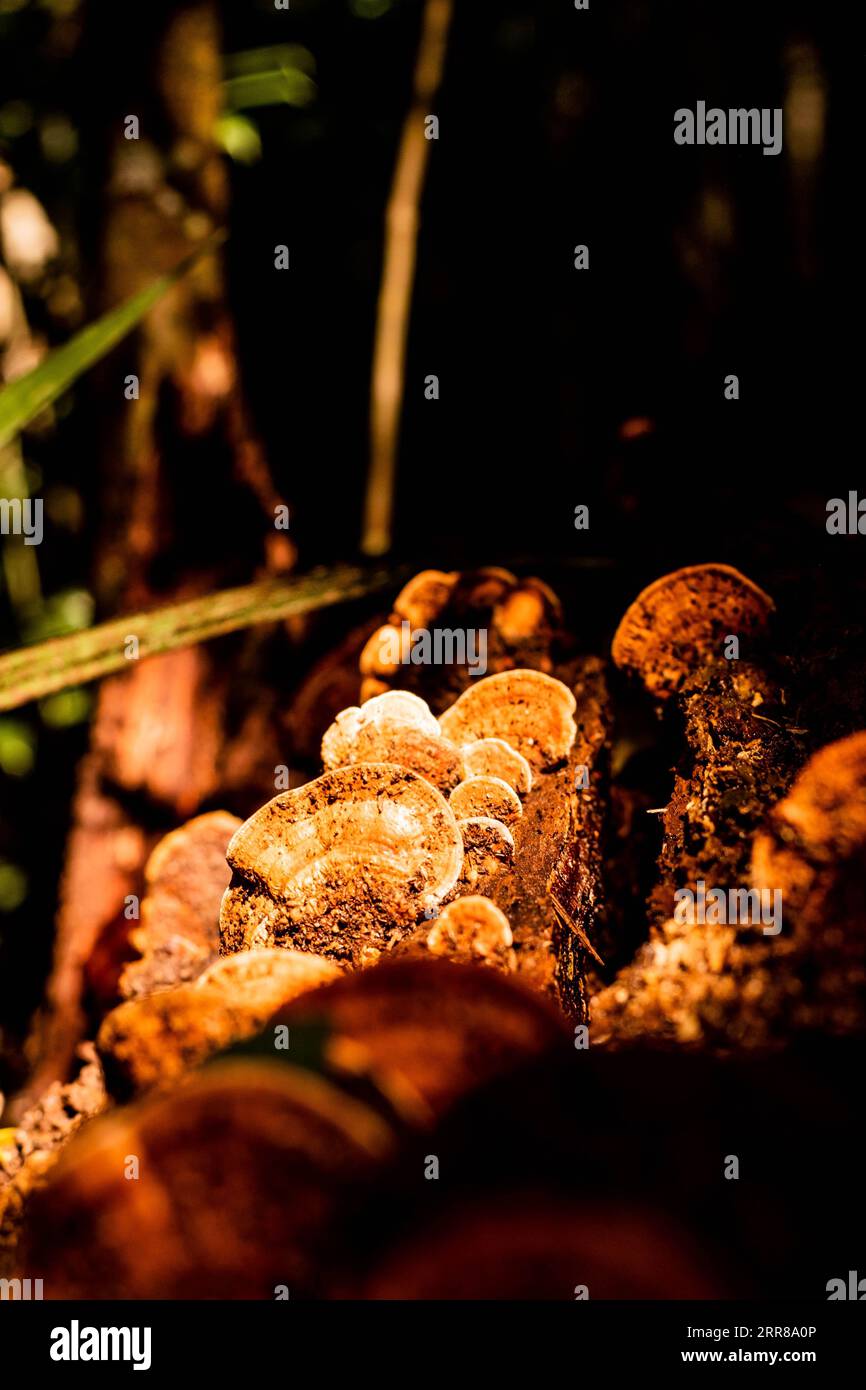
x: 22, y: 400
x: 280, y: 86
x: 275, y: 76
x: 239, y: 137
x: 276, y: 55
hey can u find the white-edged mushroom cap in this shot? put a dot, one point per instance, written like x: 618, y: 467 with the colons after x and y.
x: 394, y: 728
x: 486, y: 796
x: 335, y: 865
x: 472, y: 929
x: 394, y: 710
x: 287, y: 973
x: 493, y: 757
x: 402, y: 707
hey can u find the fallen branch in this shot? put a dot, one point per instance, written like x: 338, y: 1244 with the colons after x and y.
x: 31, y: 672
x: 402, y: 221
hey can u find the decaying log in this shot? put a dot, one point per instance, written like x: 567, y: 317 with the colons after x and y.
x: 29, y: 1151
x: 720, y: 979
x: 740, y: 757
x: 401, y: 1045
x: 552, y: 894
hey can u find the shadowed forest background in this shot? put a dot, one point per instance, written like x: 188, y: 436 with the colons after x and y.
x: 557, y: 387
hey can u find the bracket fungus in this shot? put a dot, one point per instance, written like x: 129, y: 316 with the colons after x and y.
x: 680, y: 622
x: 493, y: 757
x: 520, y: 618
x: 423, y: 598
x: 488, y: 846
x: 154, y: 1041
x: 529, y: 710
x: 813, y: 846
x: 442, y: 1028
x: 185, y: 878
x: 486, y: 796
x: 474, y: 930
x: 527, y: 609
x: 396, y: 727
x: 342, y: 865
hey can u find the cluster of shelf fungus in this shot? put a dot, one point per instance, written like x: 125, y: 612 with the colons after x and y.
x: 444, y: 903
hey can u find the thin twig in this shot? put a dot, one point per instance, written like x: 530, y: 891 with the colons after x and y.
x: 398, y: 273
x: 31, y: 672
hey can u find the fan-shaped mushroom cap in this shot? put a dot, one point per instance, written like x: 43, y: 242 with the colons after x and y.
x: 493, y: 757
x: 529, y: 609
x: 486, y: 796
x: 814, y: 844
x: 401, y: 707
x: 336, y: 865
x: 185, y: 878
x: 421, y: 600
x: 520, y: 619
x: 488, y: 846
x: 152, y: 1041
x: 482, y: 588
x: 396, y: 727
x: 472, y: 929
x: 380, y: 651
x: 680, y: 622
x: 529, y: 710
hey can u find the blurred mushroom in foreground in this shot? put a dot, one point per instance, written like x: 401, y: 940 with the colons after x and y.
x: 244, y: 1178
x: 155, y: 1040
x: 441, y: 1029
x: 545, y: 1250
x: 185, y: 878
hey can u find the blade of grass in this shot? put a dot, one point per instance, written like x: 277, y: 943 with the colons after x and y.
x: 22, y: 400
x: 31, y: 672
